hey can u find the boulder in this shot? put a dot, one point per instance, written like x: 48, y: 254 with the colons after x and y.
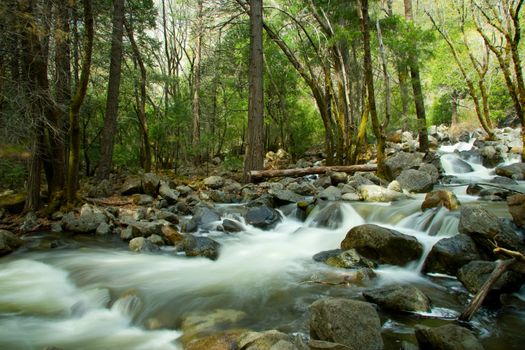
x: 485, y: 229
x: 142, y: 199
x: 103, y: 229
x: 326, y: 345
x: 338, y: 177
x: 415, y: 181
x: 349, y: 259
x: 450, y: 254
x: 324, y: 255
x: 226, y: 340
x: 150, y: 184
x: 330, y: 193
x: 8, y: 242
x: 490, y: 156
x: 403, y: 298
x: 303, y: 188
x: 214, y: 182
x: 203, y: 217
x: 169, y: 194
x: 474, y: 274
x: 515, y: 171
x: 375, y: 193
x: 382, y: 245
x: 400, y: 161
x: 141, y: 245
x: 88, y: 221
x: 145, y: 228
x: 132, y: 185
x: 283, y: 197
x: 231, y: 226
x: 516, y: 205
x: 431, y: 170
x: 262, y: 217
x: 269, y: 340
x: 359, y: 180
x: 201, y: 323
x: 348, y: 322
x: 171, y: 234
x: 330, y: 216
x: 448, y: 337
x: 440, y: 198
x: 200, y: 246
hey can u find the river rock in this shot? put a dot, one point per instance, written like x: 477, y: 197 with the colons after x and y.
x: 232, y: 226
x: 202, y: 323
x: 329, y: 216
x: 200, y: 246
x: 516, y: 205
x: 324, y: 255
x: 8, y: 242
x: 132, y: 185
x: 358, y: 180
x: 474, y: 274
x: 169, y: 194
x: 262, y: 217
x: 302, y: 188
x: 349, y: 259
x: 485, y: 229
x: 283, y: 197
x: 150, y: 184
x: 142, y: 199
x: 203, y: 217
x: 326, y: 345
x: 400, y: 161
x: 490, y: 156
x: 171, y: 234
x: 431, y: 170
x: 269, y: 340
x: 375, y: 193
x: 338, y: 177
x: 450, y: 254
x: 30, y: 222
x: 403, y: 298
x: 448, y: 337
x: 348, y: 322
x: 145, y: 228
x: 226, y: 340
x: 415, y: 181
x: 103, y: 229
x: 382, y: 245
x: 141, y: 245
x: 88, y: 220
x: 330, y: 193
x: 214, y: 182
x: 515, y: 171
x: 440, y: 198
x: 168, y: 216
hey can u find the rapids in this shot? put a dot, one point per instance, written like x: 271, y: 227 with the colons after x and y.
x: 93, y: 293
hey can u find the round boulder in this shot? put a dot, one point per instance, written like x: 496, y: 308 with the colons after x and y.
x: 415, y: 181
x: 262, y: 217
x: 474, y: 274
x: 448, y: 337
x: 200, y: 246
x: 450, y: 254
x: 439, y: 198
x: 382, y: 245
x: 8, y: 242
x: 403, y: 298
x: 348, y: 322
x: 214, y: 182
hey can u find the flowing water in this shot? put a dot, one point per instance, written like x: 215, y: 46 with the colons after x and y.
x: 92, y: 293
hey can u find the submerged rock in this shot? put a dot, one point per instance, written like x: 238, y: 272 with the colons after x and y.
x: 330, y: 216
x: 349, y: 259
x: 272, y: 339
x: 202, y: 323
x: 382, y: 245
x: 227, y: 340
x: 348, y: 322
x: 200, y: 246
x: 404, y: 298
x: 450, y: 254
x: 448, y: 337
x: 8, y: 242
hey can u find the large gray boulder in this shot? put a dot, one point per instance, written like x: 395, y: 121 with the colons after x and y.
x: 285, y: 196
x: 169, y: 194
x: 132, y: 185
x: 348, y: 322
x: 382, y: 245
x: 200, y: 246
x: 145, y: 228
x: 450, y: 254
x: 150, y: 184
x: 141, y: 245
x: 262, y: 217
x: 8, y: 242
x: 214, y: 182
x: 515, y: 171
x: 400, y: 161
x: 448, y: 337
x: 329, y: 216
x: 416, y: 181
x: 87, y: 221
x: 403, y: 298
x: 474, y: 274
x: 203, y: 217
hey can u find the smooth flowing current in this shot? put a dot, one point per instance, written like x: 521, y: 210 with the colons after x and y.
x: 93, y: 293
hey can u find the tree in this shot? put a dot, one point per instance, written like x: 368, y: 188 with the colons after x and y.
x: 110, y: 119
x: 196, y: 102
x: 254, y: 156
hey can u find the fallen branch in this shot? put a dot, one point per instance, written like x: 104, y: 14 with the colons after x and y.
x: 514, y: 254
x: 485, y: 289
x: 295, y: 172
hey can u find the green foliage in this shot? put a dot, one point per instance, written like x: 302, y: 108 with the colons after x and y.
x: 441, y: 110
x: 13, y: 173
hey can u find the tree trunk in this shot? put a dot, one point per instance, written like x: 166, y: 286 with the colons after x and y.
x: 76, y: 103
x: 254, y: 156
x: 110, y: 118
x: 196, y: 108
x: 417, y: 88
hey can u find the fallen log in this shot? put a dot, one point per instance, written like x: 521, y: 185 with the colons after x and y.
x: 295, y: 172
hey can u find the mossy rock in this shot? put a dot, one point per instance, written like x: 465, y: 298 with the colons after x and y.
x: 13, y: 203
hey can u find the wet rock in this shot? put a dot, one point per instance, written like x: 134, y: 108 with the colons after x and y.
x: 348, y: 322
x: 132, y: 185
x: 325, y: 345
x: 516, y: 205
x: 227, y: 340
x: 214, y: 182
x: 8, y: 242
x: 515, y: 171
x: 357, y: 181
x: 169, y: 194
x: 303, y: 188
x: 88, y: 220
x: 203, y: 217
x: 490, y: 156
x: 103, y: 229
x: 485, y: 229
x: 349, y: 259
x: 142, y: 199
x: 448, y: 337
x: 382, y: 245
x: 323, y: 182
x: 145, y: 228
x: 415, y: 181
x: 30, y: 222
x: 324, y: 255
x: 474, y: 274
x: 232, y: 226
x: 184, y: 190
x: 171, y: 234
x: 403, y: 298
x: 459, y: 166
x: 168, y: 216
x: 395, y: 164
x: 338, y: 177
x: 450, y: 254
x: 150, y: 184
x: 126, y: 234
x: 500, y: 180
x: 330, y: 216
x: 331, y: 193
x: 439, y: 198
x: 156, y: 239
x: 200, y: 246
x: 431, y: 170
x: 375, y: 193
x: 201, y: 323
x: 272, y: 339
x: 141, y: 245
x: 262, y: 217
